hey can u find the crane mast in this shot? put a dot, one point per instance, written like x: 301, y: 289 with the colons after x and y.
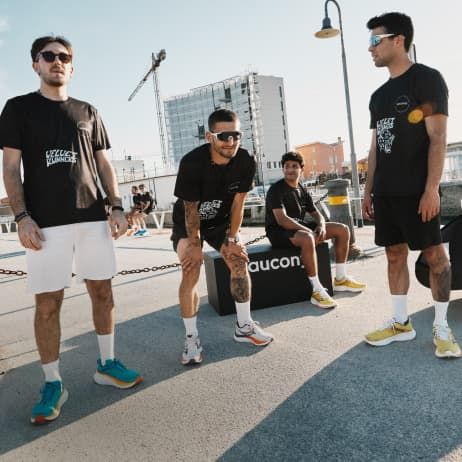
x: 156, y: 60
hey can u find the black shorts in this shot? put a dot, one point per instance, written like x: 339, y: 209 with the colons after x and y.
x: 397, y: 221
x: 213, y: 235
x: 280, y: 238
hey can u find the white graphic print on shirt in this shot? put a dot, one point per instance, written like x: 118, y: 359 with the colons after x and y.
x: 385, y: 137
x: 59, y: 156
x: 208, y: 210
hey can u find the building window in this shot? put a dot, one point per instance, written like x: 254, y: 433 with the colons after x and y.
x: 275, y: 164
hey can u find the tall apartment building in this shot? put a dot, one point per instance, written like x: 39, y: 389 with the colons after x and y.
x: 260, y: 104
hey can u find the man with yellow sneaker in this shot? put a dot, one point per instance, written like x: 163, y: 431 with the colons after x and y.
x: 287, y: 203
x: 408, y: 118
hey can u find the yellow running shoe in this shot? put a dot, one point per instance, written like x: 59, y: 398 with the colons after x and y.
x: 446, y: 345
x: 392, y: 331
x: 348, y: 284
x: 322, y: 299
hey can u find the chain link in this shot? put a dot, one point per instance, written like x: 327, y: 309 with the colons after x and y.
x: 253, y: 241
x: 132, y: 271
x: 13, y: 272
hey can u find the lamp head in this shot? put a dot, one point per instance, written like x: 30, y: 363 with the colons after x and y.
x: 327, y: 31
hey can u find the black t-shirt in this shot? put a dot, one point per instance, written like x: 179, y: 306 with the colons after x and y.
x: 137, y: 199
x: 213, y: 185
x: 58, y: 140
x: 148, y: 201
x: 295, y: 201
x: 398, y: 110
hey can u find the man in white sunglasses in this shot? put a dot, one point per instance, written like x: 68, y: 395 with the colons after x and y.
x: 212, y: 183
x: 408, y: 121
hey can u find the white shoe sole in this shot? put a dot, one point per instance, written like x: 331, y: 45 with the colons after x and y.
x: 346, y: 289
x: 405, y: 336
x: 103, y: 379
x: 447, y: 354
x: 313, y: 301
x: 196, y: 360
x: 259, y: 343
x: 55, y: 415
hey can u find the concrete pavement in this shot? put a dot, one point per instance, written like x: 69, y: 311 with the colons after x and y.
x: 318, y: 393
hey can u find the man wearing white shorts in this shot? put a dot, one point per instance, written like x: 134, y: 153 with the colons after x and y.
x: 61, y: 143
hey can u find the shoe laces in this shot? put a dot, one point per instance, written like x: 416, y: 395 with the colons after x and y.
x: 390, y: 323
x: 191, y: 343
x: 47, y: 392
x: 251, y: 326
x: 115, y: 364
x: 444, y: 333
x: 323, y: 293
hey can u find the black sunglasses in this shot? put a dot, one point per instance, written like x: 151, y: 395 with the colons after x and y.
x: 50, y: 57
x: 225, y: 136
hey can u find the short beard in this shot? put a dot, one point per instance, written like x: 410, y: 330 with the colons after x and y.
x: 54, y: 83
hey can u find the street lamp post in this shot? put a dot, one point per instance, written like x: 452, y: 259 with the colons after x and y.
x: 327, y: 31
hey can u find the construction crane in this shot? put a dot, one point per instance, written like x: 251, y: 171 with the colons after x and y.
x: 156, y: 60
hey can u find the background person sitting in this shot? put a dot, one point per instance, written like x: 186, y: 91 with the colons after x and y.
x: 287, y: 202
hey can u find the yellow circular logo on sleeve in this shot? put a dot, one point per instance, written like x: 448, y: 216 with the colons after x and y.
x: 415, y: 116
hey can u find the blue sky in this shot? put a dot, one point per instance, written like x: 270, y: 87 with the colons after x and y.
x: 208, y: 41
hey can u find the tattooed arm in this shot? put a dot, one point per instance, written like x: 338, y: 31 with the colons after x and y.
x: 193, y: 255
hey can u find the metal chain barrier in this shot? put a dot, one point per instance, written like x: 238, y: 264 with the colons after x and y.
x: 132, y: 271
x: 13, y: 272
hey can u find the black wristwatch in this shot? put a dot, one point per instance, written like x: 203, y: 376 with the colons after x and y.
x: 117, y: 207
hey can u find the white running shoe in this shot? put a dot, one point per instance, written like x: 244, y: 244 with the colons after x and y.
x: 192, y: 353
x: 251, y: 332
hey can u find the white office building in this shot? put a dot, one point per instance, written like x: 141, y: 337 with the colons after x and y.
x: 453, y: 162
x: 260, y: 104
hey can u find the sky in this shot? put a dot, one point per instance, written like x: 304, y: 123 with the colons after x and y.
x: 208, y: 41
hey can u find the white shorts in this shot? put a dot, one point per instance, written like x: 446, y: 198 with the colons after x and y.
x: 50, y: 268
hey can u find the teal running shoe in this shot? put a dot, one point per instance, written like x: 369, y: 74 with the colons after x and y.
x: 54, y: 395
x: 114, y: 373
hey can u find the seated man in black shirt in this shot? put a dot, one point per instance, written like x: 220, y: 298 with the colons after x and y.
x: 212, y: 183
x: 147, y: 199
x: 287, y: 202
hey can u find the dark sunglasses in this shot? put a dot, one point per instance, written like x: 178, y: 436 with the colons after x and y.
x: 50, y: 57
x: 225, y: 136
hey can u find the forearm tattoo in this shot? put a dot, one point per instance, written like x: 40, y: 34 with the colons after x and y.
x: 192, y: 219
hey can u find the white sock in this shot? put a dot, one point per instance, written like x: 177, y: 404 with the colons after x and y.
x: 243, y: 313
x: 399, y: 304
x: 315, y: 283
x: 106, y: 347
x: 340, y: 271
x: 190, y: 324
x: 51, y: 371
x: 441, y: 311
